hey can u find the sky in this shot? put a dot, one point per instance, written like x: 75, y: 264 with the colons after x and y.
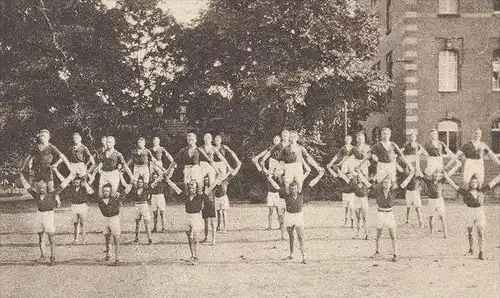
x: 182, y: 10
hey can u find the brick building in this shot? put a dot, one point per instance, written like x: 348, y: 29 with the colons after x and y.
x: 444, y: 58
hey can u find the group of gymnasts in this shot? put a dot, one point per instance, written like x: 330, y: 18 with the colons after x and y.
x: 207, y: 170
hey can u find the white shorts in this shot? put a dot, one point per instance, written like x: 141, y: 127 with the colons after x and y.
x: 347, y: 199
x: 412, y: 197
x: 434, y: 163
x: 475, y: 217
x: 79, y: 168
x: 435, y: 205
x: 222, y: 203
x: 142, y: 211
x: 294, y: 219
x: 273, y: 199
x: 293, y: 171
x: 111, y: 225
x: 207, y: 169
x: 273, y: 164
x: 364, y: 168
x: 221, y: 168
x: 193, y: 172
x: 474, y: 167
x: 158, y: 202
x: 141, y: 171
x: 79, y: 210
x: 154, y: 168
x: 386, y: 219
x: 360, y: 203
x: 349, y: 164
x: 385, y: 169
x: 45, y: 222
x: 111, y: 177
x: 194, y: 222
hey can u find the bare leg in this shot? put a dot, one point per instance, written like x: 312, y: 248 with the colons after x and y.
x: 155, y: 221
x: 291, y: 237
x: 219, y: 219
x: 430, y: 223
x: 223, y: 212
x: 480, y: 235
x: 281, y: 220
x: 190, y: 241
x: 137, y: 223
x: 148, y: 232
x: 364, y: 214
x: 445, y: 228
x: 471, y: 240
x: 205, y: 230
x: 419, y: 216
x: 358, y: 220
x: 345, y: 216
x: 212, y: 226
x: 196, y: 245
x: 75, y: 233
x: 377, y: 243
x: 107, y: 241
x: 163, y: 220
x: 116, y: 241
x: 407, y: 215
x: 41, y: 244
x: 52, y: 243
x: 300, y: 233
x: 269, y: 218
x: 392, y: 234
x: 82, y: 228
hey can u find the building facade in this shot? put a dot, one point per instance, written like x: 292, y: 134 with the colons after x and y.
x: 444, y: 58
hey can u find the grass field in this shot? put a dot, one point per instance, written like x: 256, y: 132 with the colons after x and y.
x: 246, y: 261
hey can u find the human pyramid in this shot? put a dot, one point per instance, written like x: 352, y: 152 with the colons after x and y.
x: 285, y: 164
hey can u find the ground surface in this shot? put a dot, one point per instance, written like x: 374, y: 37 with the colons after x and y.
x: 247, y: 260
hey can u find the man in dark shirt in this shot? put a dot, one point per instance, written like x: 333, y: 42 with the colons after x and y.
x: 294, y: 219
x: 109, y: 205
x: 42, y: 159
x: 275, y: 152
x: 273, y: 162
x: 412, y: 195
x: 157, y: 191
x: 78, y: 194
x: 78, y: 156
x: 385, y: 196
x: 193, y: 203
x: 473, y: 198
x: 347, y: 193
x: 189, y: 158
x: 139, y: 162
x: 140, y: 195
x: 46, y: 201
x: 208, y: 211
x: 159, y: 152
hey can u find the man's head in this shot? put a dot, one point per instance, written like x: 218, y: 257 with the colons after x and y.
x: 44, y: 136
x: 104, y: 141
x: 437, y: 175
x: 294, y: 188
x: 156, y: 141
x: 385, y: 134
x: 294, y: 136
x: 206, y: 181
x: 110, y: 142
x: 106, y: 191
x: 285, y: 136
x: 413, y: 137
x: 77, y: 138
x: 140, y: 182
x: 387, y: 182
x: 141, y: 142
x: 434, y: 134
x: 154, y: 176
x: 276, y: 140
x: 207, y: 139
x: 474, y: 182
x: 218, y: 140
x: 192, y: 187
x: 360, y: 138
x: 477, y: 134
x: 348, y: 140
x: 77, y: 182
x: 191, y: 139
x: 41, y: 187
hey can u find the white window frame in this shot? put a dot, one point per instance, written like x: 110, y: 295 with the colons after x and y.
x: 448, y: 71
x: 449, y: 126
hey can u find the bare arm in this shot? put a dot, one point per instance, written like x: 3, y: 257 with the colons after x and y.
x: 256, y: 159
x: 24, y: 182
x: 450, y: 181
x: 263, y: 161
x: 455, y: 168
x: 408, y: 179
x: 223, y: 159
x: 168, y: 155
x: 363, y: 179
x: 236, y: 159
x: 491, y: 154
x: 494, y: 181
x: 27, y: 162
x: 155, y: 161
x: 402, y: 156
x: 128, y: 187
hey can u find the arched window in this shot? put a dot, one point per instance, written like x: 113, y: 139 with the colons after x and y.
x: 388, y: 17
x: 496, y: 5
x: 495, y: 136
x: 448, y: 71
x: 449, y: 133
x: 495, y: 65
x: 448, y: 7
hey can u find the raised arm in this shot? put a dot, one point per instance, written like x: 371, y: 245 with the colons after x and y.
x: 494, y: 181
x: 236, y: 159
x: 311, y: 160
x: 491, y: 154
x: 402, y: 156
x: 452, y: 171
x: 27, y: 162
x: 256, y: 159
x: 90, y: 158
x: 24, y: 182
x: 408, y: 179
x: 343, y: 176
x: 128, y: 187
x: 155, y: 161
x: 450, y: 181
x: 307, y: 169
x: 223, y: 159
x: 363, y: 179
x: 168, y: 155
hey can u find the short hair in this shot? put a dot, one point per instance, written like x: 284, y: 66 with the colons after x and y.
x: 294, y: 132
x: 140, y: 178
x: 191, y: 134
x: 111, y: 138
x: 433, y: 130
x: 360, y: 133
x: 207, y: 134
x: 386, y: 129
x: 107, y: 185
x: 141, y: 139
x: 294, y: 183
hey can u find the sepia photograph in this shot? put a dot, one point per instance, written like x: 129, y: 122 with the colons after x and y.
x: 249, y: 148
